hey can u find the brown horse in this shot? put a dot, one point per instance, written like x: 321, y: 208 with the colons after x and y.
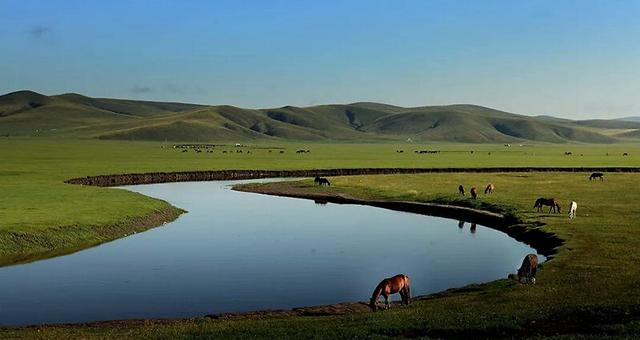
x: 550, y: 202
x: 528, y: 269
x: 474, y: 192
x: 489, y: 189
x: 391, y: 285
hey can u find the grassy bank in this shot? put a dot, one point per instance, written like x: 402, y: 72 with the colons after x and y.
x: 590, y: 289
x: 36, y: 202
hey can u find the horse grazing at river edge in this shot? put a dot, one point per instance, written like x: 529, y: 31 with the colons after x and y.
x: 391, y: 285
x: 489, y: 189
x: 550, y: 202
x: 461, y: 189
x: 573, y: 206
x: 321, y: 181
x: 596, y: 175
x: 528, y: 269
x: 474, y: 193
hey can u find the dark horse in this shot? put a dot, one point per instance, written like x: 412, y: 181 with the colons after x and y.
x: 596, y: 175
x: 461, y: 189
x: 321, y: 181
x: 550, y: 202
x: 391, y: 285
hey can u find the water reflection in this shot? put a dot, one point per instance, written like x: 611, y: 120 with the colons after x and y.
x: 233, y: 250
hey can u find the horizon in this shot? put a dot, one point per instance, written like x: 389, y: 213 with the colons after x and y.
x: 567, y: 59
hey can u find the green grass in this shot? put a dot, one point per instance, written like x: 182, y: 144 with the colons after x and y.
x: 590, y: 288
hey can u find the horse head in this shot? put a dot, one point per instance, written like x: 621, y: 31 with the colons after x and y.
x: 373, y: 305
x: 537, y: 203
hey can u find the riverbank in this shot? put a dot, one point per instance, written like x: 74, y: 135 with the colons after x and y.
x: 590, y: 290
x: 18, y: 247
x: 494, y: 217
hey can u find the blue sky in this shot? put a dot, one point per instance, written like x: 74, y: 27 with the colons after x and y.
x: 576, y: 59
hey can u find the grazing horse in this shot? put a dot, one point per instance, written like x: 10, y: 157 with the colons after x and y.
x: 572, y: 209
x: 527, y: 271
x: 321, y: 181
x: 474, y: 192
x: 461, y: 189
x: 489, y: 189
x: 550, y: 202
x: 391, y: 285
x: 596, y: 175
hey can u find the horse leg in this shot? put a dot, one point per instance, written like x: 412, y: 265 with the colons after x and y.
x: 386, y: 301
x: 407, y: 294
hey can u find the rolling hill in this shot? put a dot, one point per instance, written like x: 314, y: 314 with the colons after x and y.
x: 27, y: 113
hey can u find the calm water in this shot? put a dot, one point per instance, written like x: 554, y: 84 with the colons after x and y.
x: 238, y: 251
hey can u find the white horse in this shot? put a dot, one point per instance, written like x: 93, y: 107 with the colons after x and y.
x: 572, y: 209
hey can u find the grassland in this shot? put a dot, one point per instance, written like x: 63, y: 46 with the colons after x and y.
x: 589, y: 291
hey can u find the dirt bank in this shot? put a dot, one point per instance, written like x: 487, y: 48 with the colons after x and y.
x: 219, y: 175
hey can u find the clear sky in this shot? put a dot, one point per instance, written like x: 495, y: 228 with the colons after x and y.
x: 576, y: 59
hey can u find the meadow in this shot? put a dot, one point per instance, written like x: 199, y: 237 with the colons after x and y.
x: 588, y: 291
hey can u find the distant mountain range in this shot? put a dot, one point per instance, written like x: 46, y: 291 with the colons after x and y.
x: 630, y: 119
x: 27, y: 113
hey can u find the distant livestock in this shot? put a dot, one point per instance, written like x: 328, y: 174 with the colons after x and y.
x: 321, y: 181
x: 461, y: 190
x: 573, y: 206
x: 596, y: 175
x: 489, y: 189
x: 550, y: 202
x: 625, y: 154
x: 568, y: 153
x: 474, y: 193
x: 528, y: 269
x: 303, y: 151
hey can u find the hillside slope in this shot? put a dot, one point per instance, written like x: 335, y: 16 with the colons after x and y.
x: 26, y: 113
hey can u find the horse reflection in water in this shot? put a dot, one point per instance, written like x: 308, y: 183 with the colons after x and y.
x: 472, y: 229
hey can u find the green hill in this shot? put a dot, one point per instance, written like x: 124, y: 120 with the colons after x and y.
x: 26, y: 113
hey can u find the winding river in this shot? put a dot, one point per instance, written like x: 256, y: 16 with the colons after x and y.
x: 237, y: 251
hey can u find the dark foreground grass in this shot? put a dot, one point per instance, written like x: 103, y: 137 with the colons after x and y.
x: 590, y: 290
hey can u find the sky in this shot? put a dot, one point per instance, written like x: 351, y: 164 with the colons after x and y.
x: 574, y: 59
